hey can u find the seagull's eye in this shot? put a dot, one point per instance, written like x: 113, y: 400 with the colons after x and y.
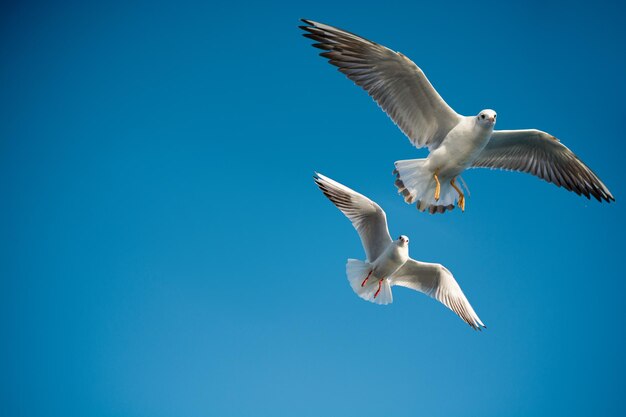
x: 482, y: 116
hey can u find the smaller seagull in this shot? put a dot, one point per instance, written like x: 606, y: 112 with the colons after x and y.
x: 388, y: 262
x: 455, y: 142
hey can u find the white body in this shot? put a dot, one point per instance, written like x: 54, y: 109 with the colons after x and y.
x: 377, y: 287
x: 392, y: 259
x: 459, y: 149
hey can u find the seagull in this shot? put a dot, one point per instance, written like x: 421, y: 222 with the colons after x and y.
x: 388, y: 262
x: 455, y: 142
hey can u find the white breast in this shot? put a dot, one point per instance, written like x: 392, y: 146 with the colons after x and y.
x: 390, y: 260
x: 459, y: 148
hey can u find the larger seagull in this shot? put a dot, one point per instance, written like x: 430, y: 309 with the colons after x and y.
x: 388, y: 261
x: 455, y: 142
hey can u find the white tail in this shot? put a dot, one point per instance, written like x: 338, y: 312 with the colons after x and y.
x: 417, y: 185
x: 357, y: 272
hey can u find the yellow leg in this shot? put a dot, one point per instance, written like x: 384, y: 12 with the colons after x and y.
x: 461, y: 196
x: 438, y: 187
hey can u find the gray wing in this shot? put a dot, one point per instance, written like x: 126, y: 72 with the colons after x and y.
x: 437, y: 282
x: 398, y: 85
x: 367, y: 217
x: 541, y: 154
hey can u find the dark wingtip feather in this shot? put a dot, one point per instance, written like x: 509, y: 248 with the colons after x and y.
x: 311, y: 36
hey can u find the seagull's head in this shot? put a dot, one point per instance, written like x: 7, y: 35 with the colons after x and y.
x: 403, y: 240
x: 487, y: 118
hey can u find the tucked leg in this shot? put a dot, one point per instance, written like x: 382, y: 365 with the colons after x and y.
x: 438, y: 186
x: 366, y: 278
x: 461, y: 195
x: 380, y: 283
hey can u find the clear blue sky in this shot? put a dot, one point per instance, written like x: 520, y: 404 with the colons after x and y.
x: 165, y: 252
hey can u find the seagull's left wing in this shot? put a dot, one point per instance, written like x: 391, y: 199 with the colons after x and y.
x: 437, y: 282
x: 369, y: 220
x: 541, y: 154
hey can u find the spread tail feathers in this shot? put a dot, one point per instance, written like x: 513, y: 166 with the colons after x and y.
x: 417, y: 185
x: 372, y: 289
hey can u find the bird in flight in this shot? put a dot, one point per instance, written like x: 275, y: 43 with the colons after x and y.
x: 455, y: 142
x: 388, y: 262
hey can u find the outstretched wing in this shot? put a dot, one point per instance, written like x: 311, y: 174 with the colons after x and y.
x: 367, y: 217
x: 398, y: 85
x: 437, y: 282
x: 541, y: 154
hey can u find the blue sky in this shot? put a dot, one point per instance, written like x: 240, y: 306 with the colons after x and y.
x: 165, y: 252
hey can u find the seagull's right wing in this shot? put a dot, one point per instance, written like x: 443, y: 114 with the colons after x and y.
x: 437, y: 282
x: 398, y: 85
x: 366, y: 216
